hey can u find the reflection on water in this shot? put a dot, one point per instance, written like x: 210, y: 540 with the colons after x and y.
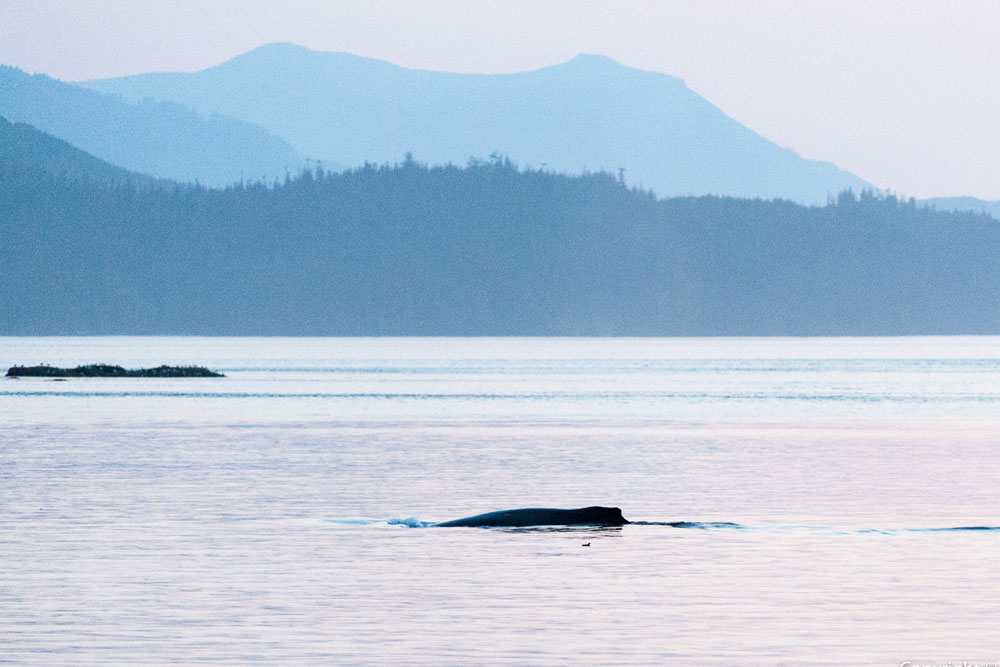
x: 826, y: 502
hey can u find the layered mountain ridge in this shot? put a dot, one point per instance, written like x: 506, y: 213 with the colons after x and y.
x: 590, y: 113
x: 161, y: 138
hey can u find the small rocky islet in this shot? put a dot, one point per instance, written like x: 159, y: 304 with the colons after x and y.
x: 112, y: 371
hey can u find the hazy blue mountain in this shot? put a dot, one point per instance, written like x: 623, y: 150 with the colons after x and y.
x: 25, y: 147
x: 962, y: 204
x: 164, y: 139
x: 589, y: 113
x: 483, y: 250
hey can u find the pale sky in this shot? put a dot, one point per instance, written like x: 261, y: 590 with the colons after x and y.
x: 903, y: 93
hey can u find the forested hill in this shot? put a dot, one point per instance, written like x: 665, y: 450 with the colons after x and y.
x: 486, y: 249
x: 25, y: 147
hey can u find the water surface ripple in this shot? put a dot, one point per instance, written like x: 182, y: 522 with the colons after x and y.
x: 797, y: 502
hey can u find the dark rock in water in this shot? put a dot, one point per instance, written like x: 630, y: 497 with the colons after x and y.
x: 109, y: 371
x: 173, y: 372
x: 91, y: 370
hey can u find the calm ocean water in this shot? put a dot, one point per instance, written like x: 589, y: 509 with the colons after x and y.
x: 261, y: 517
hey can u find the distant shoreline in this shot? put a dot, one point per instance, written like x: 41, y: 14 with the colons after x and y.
x: 108, y: 370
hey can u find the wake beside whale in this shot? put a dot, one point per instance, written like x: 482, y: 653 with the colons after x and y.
x: 596, y: 515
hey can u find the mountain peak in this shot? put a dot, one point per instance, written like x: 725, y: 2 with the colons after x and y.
x: 594, y: 60
x: 288, y: 59
x: 587, y: 63
x: 280, y: 48
x: 275, y: 51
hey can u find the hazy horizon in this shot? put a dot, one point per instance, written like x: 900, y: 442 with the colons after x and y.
x: 901, y: 94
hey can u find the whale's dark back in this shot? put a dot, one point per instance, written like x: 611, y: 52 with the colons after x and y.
x: 542, y: 516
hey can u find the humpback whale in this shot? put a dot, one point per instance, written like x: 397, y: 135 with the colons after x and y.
x: 541, y: 516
